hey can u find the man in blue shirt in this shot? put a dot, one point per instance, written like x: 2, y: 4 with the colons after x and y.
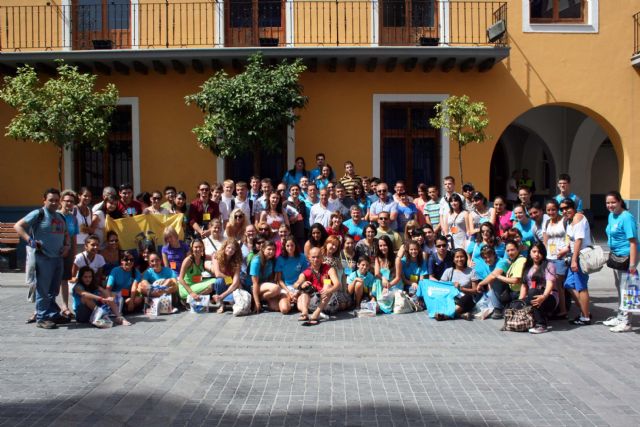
x: 320, y: 162
x: 564, y: 185
x: 384, y: 204
x: 45, y: 230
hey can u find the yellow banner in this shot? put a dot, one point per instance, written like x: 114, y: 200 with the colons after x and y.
x: 134, y: 230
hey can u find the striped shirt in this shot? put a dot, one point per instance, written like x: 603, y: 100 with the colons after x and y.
x: 349, y: 183
x: 432, y: 211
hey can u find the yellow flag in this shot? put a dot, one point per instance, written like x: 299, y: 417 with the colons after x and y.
x: 134, y: 230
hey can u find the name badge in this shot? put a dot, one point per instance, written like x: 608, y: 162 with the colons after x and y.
x: 454, y: 229
x: 196, y: 279
x: 124, y: 292
x: 173, y: 265
x: 326, y: 282
x: 413, y: 278
x: 206, y: 216
x: 228, y: 280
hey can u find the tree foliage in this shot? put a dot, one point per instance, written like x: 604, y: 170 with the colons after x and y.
x: 65, y: 111
x: 462, y: 121
x: 249, y: 110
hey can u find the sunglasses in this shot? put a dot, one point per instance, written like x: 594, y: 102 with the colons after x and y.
x: 127, y: 259
x: 113, y: 241
x: 262, y: 229
x: 155, y: 198
x: 441, y: 246
x: 238, y: 216
x: 563, y: 208
x: 381, y: 191
x: 203, y: 189
x: 383, y: 218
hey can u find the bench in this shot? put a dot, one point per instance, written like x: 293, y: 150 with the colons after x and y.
x: 9, y: 241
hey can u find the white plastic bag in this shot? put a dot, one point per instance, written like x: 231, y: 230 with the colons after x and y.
x: 200, y: 305
x: 159, y: 305
x: 242, y: 302
x: 401, y: 303
x: 100, y: 317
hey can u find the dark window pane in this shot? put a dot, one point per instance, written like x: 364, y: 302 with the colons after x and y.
x: 89, y: 15
x: 241, y: 14
x: 423, y: 13
x: 394, y: 118
x: 119, y: 12
x: 541, y: 9
x: 570, y: 9
x: 393, y: 159
x: 424, y: 161
x: 269, y: 13
x: 420, y: 117
x: 393, y: 13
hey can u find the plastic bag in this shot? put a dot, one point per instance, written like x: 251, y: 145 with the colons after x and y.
x: 30, y: 273
x: 100, y: 317
x: 159, y: 305
x: 200, y: 305
x: 242, y: 302
x: 401, y: 303
x: 630, y: 293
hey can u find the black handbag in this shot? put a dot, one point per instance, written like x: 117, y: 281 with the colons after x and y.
x: 618, y: 262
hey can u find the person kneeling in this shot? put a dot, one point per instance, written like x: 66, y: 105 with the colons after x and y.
x: 87, y: 295
x: 317, y: 284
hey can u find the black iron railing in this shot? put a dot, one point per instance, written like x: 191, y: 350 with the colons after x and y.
x: 636, y: 33
x: 117, y: 24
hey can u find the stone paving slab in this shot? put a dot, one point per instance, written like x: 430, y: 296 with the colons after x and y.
x: 404, y: 370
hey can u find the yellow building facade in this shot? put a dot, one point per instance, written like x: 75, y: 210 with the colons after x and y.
x: 560, y: 86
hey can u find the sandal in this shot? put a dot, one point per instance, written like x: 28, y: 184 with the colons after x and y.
x: 301, y: 318
x: 68, y: 314
x: 31, y: 319
x: 312, y: 322
x: 121, y: 321
x: 220, y: 309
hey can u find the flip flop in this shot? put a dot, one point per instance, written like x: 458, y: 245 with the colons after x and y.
x: 312, y: 322
x: 303, y: 318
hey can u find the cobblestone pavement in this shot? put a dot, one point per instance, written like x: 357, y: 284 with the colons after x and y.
x: 210, y: 369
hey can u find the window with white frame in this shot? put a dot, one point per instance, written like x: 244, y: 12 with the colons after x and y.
x: 560, y: 16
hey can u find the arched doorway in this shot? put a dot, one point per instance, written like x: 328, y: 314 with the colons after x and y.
x: 554, y: 139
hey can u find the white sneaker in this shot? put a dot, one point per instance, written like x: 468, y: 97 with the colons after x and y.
x: 324, y: 316
x: 612, y: 321
x: 621, y: 327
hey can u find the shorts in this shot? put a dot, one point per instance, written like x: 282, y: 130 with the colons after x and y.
x: 67, y: 265
x: 576, y: 280
x: 560, y: 265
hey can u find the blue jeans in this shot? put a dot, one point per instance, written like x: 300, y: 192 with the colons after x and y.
x: 495, y: 299
x: 49, y: 275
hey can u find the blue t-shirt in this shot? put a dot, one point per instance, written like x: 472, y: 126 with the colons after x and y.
x: 354, y: 229
x: 577, y: 200
x: 621, y: 228
x: 293, y: 178
x: 438, y: 297
x: 474, y: 250
x: 254, y: 270
x: 316, y: 172
x: 411, y: 268
x: 405, y: 214
x: 72, y: 224
x: 175, y: 256
x: 50, y: 231
x: 528, y: 232
x: 150, y: 275
x: 367, y: 280
x: 77, y: 299
x: 119, y: 279
x: 291, y: 268
x: 322, y: 183
x: 364, y: 205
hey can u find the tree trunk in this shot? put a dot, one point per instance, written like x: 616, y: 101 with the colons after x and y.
x: 257, y: 158
x: 60, y: 157
x: 460, y: 163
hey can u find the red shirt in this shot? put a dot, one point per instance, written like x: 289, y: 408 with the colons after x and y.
x: 200, y: 214
x: 131, y: 209
x: 317, y: 280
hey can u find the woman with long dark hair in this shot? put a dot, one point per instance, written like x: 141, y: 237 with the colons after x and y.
x: 538, y: 286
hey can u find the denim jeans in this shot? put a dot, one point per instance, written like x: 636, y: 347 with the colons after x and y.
x: 49, y: 275
x: 497, y: 290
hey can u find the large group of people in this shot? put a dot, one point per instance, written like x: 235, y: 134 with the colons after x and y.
x: 318, y: 244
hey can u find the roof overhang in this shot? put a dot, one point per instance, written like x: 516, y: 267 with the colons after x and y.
x: 422, y: 58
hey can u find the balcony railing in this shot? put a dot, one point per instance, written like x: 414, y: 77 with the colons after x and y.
x: 636, y: 34
x: 286, y: 23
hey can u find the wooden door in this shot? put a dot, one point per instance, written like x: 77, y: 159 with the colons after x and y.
x: 254, y: 23
x: 408, y: 22
x: 101, y: 24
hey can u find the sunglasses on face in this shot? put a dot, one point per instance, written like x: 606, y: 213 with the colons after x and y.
x: 204, y: 189
x: 127, y: 259
x: 113, y: 241
x: 155, y: 198
x: 441, y: 246
x: 238, y: 216
x: 263, y: 229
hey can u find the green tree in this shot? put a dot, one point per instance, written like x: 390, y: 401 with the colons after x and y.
x: 64, y: 111
x: 462, y: 121
x: 248, y: 111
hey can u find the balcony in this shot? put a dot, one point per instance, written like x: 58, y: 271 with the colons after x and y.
x: 232, y: 28
x: 635, y: 57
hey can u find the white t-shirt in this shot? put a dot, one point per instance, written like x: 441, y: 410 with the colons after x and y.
x: 82, y: 260
x: 580, y: 230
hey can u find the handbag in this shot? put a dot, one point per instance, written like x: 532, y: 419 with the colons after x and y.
x: 618, y: 262
x: 591, y: 259
x: 518, y: 317
x: 401, y: 303
x: 241, y: 302
x: 630, y: 293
